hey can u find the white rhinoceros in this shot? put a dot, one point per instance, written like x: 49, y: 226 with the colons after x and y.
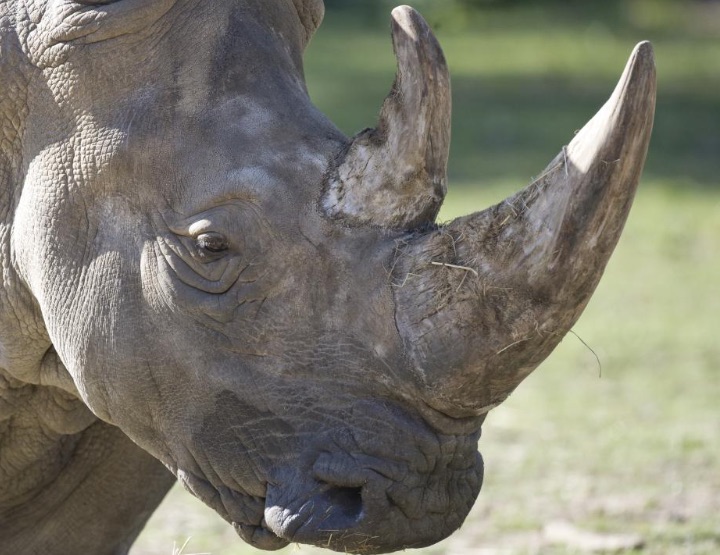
x: 199, y: 273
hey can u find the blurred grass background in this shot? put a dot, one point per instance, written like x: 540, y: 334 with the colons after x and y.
x: 633, y: 447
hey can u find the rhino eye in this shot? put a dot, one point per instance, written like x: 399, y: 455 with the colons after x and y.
x: 211, y: 242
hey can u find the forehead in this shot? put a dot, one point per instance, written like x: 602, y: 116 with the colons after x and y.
x: 207, y: 93
x: 131, y: 43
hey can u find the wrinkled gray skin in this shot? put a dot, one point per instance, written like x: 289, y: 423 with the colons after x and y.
x: 174, y: 288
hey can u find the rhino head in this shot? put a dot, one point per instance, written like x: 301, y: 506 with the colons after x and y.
x: 265, y: 305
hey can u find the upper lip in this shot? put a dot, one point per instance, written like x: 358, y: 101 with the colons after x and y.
x: 351, y: 470
x: 444, y: 421
x: 260, y: 536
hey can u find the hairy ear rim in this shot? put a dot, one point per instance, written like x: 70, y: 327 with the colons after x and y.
x: 311, y: 13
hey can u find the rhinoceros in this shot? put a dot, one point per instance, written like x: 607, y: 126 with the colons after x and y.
x: 203, y: 279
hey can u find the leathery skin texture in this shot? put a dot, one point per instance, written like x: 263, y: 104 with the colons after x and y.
x: 202, y: 279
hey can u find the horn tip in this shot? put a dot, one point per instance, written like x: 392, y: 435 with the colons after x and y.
x: 637, y: 85
x: 412, y: 34
x: 643, y: 57
x: 403, y: 11
x: 642, y: 60
x: 409, y: 20
x: 644, y: 49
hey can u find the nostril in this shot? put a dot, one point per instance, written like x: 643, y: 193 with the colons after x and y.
x: 345, y: 502
x: 330, y: 511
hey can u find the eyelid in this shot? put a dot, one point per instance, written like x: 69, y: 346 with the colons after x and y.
x: 217, y: 279
x: 201, y: 226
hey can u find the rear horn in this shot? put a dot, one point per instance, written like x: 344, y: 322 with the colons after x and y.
x: 486, y: 298
x: 394, y: 176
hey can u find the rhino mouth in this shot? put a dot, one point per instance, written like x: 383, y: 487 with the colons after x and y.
x: 245, y: 512
x: 381, y: 479
x: 260, y: 536
x: 361, y: 503
x: 325, y: 511
x: 352, y: 501
x: 332, y: 514
x: 374, y: 518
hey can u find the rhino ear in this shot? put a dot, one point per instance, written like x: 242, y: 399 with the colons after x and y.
x: 311, y: 13
x: 394, y: 176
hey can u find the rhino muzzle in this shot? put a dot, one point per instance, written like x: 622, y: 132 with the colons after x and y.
x: 363, y: 497
x: 481, y: 301
x: 346, y: 491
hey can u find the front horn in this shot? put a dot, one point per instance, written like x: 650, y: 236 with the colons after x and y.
x: 394, y: 176
x: 482, y: 301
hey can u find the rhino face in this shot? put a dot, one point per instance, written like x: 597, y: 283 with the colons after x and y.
x: 268, y: 307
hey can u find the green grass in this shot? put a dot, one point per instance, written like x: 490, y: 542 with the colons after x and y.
x: 634, y: 447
